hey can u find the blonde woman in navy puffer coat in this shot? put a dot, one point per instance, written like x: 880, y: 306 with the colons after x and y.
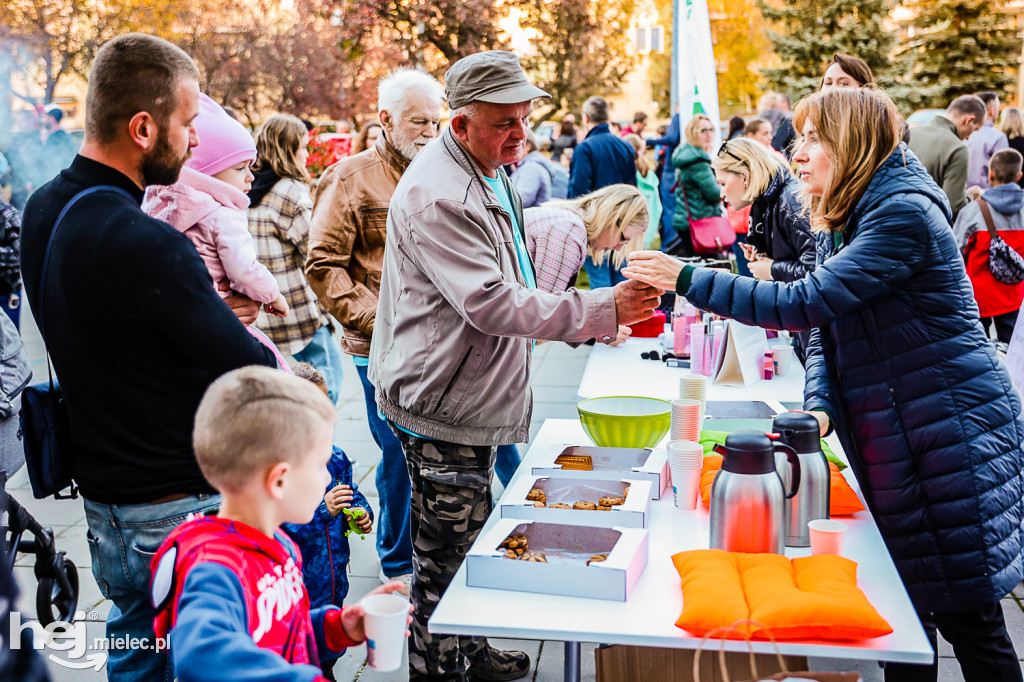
x: 899, y: 365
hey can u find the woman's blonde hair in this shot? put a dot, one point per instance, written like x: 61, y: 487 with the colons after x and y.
x: 613, y: 207
x: 858, y: 128
x: 1011, y: 123
x: 278, y: 142
x: 643, y: 166
x: 690, y: 132
x: 745, y: 156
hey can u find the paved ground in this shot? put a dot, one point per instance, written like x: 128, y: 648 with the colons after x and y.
x: 557, y: 371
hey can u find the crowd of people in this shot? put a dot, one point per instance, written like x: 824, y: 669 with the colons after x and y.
x: 436, y: 258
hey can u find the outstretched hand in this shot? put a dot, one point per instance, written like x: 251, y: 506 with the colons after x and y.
x: 654, y: 268
x: 353, y: 617
x: 635, y: 302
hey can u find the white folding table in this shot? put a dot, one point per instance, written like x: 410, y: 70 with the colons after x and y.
x: 621, y: 371
x: 648, y: 617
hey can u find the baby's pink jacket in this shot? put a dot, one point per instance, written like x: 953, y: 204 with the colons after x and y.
x: 212, y: 214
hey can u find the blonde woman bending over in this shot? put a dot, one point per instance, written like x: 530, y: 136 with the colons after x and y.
x: 609, y: 222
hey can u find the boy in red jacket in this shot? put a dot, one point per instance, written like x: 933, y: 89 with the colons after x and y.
x: 998, y: 303
x: 228, y: 589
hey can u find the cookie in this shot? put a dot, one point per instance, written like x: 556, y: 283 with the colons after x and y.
x: 536, y: 495
x: 596, y: 558
x: 535, y: 557
x: 611, y: 500
x: 583, y: 504
x: 510, y: 554
x: 575, y: 462
x: 514, y: 542
x: 602, y: 507
x: 538, y: 503
x: 559, y: 505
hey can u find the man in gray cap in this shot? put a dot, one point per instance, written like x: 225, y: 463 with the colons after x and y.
x: 452, y: 341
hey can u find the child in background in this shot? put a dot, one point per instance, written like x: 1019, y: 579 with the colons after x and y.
x: 323, y: 541
x: 228, y: 588
x: 998, y: 303
x: 208, y: 205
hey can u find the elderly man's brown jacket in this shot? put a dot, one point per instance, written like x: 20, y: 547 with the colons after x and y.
x: 346, y: 238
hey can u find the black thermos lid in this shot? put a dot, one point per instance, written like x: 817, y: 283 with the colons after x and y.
x: 798, y: 430
x: 748, y: 452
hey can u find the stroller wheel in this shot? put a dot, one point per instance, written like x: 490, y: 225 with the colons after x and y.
x: 53, y: 602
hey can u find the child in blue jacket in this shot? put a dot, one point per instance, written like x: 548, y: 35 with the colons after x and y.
x: 323, y: 541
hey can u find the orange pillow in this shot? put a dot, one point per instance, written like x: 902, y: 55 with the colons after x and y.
x: 812, y: 597
x: 842, y: 500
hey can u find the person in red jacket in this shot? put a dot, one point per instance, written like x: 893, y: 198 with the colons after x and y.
x: 998, y: 303
x: 228, y: 589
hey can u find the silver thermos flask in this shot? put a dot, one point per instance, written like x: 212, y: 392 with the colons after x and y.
x: 799, y: 431
x: 747, y: 497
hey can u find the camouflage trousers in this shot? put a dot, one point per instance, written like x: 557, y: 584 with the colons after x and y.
x: 451, y: 500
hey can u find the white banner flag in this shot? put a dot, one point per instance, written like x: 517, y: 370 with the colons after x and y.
x: 695, y: 72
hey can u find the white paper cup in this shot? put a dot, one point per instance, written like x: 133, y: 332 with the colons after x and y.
x: 826, y: 536
x: 385, y: 624
x: 784, y: 357
x: 686, y: 454
x: 685, y: 487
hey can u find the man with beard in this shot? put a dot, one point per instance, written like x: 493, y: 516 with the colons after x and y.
x: 135, y: 332
x: 346, y: 249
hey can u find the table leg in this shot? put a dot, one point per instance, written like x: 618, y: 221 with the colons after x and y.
x: 572, y: 662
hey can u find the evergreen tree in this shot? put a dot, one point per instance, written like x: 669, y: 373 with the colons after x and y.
x: 960, y: 47
x: 811, y: 31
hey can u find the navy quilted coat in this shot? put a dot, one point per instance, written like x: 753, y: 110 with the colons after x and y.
x: 924, y: 409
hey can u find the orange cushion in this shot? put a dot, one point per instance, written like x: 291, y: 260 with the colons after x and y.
x: 842, y: 500
x: 812, y: 597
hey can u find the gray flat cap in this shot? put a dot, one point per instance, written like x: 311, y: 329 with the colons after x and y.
x: 495, y: 76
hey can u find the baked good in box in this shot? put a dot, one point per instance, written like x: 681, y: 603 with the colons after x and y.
x: 559, y: 505
x: 597, y: 558
x: 510, y: 554
x: 514, y: 542
x: 535, y: 557
x: 536, y: 495
x: 603, y: 507
x: 583, y: 504
x: 575, y: 462
x: 538, y: 503
x: 611, y: 500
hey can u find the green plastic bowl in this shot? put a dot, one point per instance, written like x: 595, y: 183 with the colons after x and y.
x: 625, y: 421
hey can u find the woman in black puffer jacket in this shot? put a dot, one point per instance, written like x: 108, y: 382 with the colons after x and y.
x: 899, y: 364
x: 779, y: 245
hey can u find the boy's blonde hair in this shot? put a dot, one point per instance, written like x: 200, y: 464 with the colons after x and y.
x: 746, y: 156
x: 253, y: 418
x: 610, y: 208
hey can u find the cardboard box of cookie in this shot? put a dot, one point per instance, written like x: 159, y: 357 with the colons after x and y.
x: 594, y: 463
x: 605, y: 503
x: 550, y: 558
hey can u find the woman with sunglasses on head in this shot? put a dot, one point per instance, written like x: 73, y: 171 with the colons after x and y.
x: 899, y: 365
x: 779, y: 243
x: 560, y: 235
x: 696, y: 187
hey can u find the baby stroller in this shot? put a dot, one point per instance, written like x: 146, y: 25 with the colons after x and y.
x: 56, y: 575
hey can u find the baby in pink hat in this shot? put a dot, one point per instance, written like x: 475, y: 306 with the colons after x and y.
x: 208, y: 205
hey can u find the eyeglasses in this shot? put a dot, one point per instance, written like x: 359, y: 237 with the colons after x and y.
x: 724, y: 149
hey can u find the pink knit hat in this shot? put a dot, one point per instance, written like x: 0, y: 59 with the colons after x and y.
x: 223, y: 141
